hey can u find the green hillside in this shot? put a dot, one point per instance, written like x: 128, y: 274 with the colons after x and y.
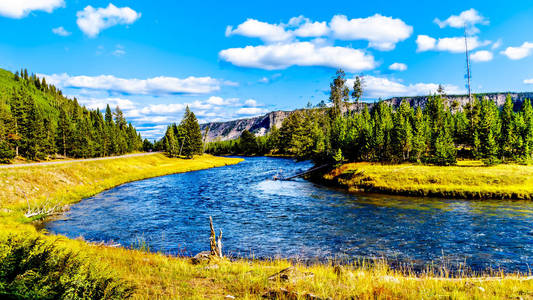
x: 37, y: 122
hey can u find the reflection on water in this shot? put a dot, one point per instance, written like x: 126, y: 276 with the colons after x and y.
x: 267, y: 218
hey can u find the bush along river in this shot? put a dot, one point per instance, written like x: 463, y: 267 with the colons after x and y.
x: 298, y: 219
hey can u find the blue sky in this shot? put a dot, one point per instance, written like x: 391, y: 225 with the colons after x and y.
x: 235, y: 59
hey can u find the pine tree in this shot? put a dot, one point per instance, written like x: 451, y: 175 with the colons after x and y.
x: 63, y: 131
x: 339, y: 93
x: 192, y: 144
x: 248, y: 143
x: 507, y: 132
x: 357, y: 92
x: 171, y: 145
x: 421, y: 136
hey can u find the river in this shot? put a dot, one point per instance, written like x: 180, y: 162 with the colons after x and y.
x: 301, y: 220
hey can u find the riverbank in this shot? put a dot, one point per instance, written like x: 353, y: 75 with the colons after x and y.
x: 466, y: 180
x: 159, y: 276
x: 51, y: 188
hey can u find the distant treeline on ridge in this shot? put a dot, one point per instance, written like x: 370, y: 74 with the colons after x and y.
x: 438, y: 134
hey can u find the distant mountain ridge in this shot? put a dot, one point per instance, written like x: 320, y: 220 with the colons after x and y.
x: 261, y: 125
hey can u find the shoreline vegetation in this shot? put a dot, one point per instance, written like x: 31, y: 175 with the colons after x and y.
x: 468, y: 179
x: 102, y: 271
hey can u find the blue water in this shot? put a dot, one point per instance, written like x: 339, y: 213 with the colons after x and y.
x: 298, y: 219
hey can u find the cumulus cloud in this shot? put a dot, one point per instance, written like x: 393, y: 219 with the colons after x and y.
x: 307, y: 28
x: 282, y: 56
x: 257, y: 29
x: 528, y: 81
x: 425, y: 43
x: 93, y: 20
x: 468, y: 18
x: 382, y: 32
x: 379, y: 87
x: 155, y: 85
x: 516, y: 53
x: 450, y: 44
x: 101, y: 103
x: 398, y: 67
x: 251, y: 103
x: 61, y: 31
x: 21, y: 8
x: 251, y: 111
x: 482, y: 56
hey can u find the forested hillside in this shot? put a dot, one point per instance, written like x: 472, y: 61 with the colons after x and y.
x: 37, y: 122
x: 438, y: 132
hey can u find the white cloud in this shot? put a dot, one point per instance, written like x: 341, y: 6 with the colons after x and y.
x: 468, y: 18
x: 450, y: 44
x: 119, y: 52
x: 312, y: 29
x: 251, y: 111
x: 515, y: 53
x: 497, y: 44
x: 282, y: 56
x: 482, y: 56
x: 155, y: 85
x: 528, y: 81
x: 251, y: 103
x: 398, y: 67
x: 379, y: 87
x: 101, y: 103
x: 92, y: 21
x: 21, y: 8
x: 425, y: 43
x: 61, y: 31
x: 269, y: 33
x: 382, y: 32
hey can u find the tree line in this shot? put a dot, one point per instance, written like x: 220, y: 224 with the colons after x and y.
x: 438, y: 133
x: 37, y: 121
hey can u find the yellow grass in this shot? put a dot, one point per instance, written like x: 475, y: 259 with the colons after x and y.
x: 469, y: 179
x: 63, y: 184
x: 158, y: 276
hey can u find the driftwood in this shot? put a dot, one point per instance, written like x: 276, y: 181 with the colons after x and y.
x: 42, y: 211
x: 216, y: 246
x: 302, y: 174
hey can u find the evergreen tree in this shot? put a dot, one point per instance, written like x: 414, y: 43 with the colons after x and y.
x: 192, y: 144
x: 421, y: 136
x: 339, y: 93
x: 357, y: 92
x: 248, y: 143
x: 507, y: 132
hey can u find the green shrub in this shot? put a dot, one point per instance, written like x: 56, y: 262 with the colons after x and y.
x: 35, y: 267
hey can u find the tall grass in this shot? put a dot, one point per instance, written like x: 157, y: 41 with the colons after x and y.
x: 468, y: 180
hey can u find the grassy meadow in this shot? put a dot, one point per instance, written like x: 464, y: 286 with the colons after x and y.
x: 467, y: 179
x: 34, y: 264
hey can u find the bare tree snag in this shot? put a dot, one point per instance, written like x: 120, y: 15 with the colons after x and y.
x: 216, y: 249
x: 219, y: 244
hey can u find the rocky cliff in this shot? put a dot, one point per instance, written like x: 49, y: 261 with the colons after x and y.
x: 261, y: 125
